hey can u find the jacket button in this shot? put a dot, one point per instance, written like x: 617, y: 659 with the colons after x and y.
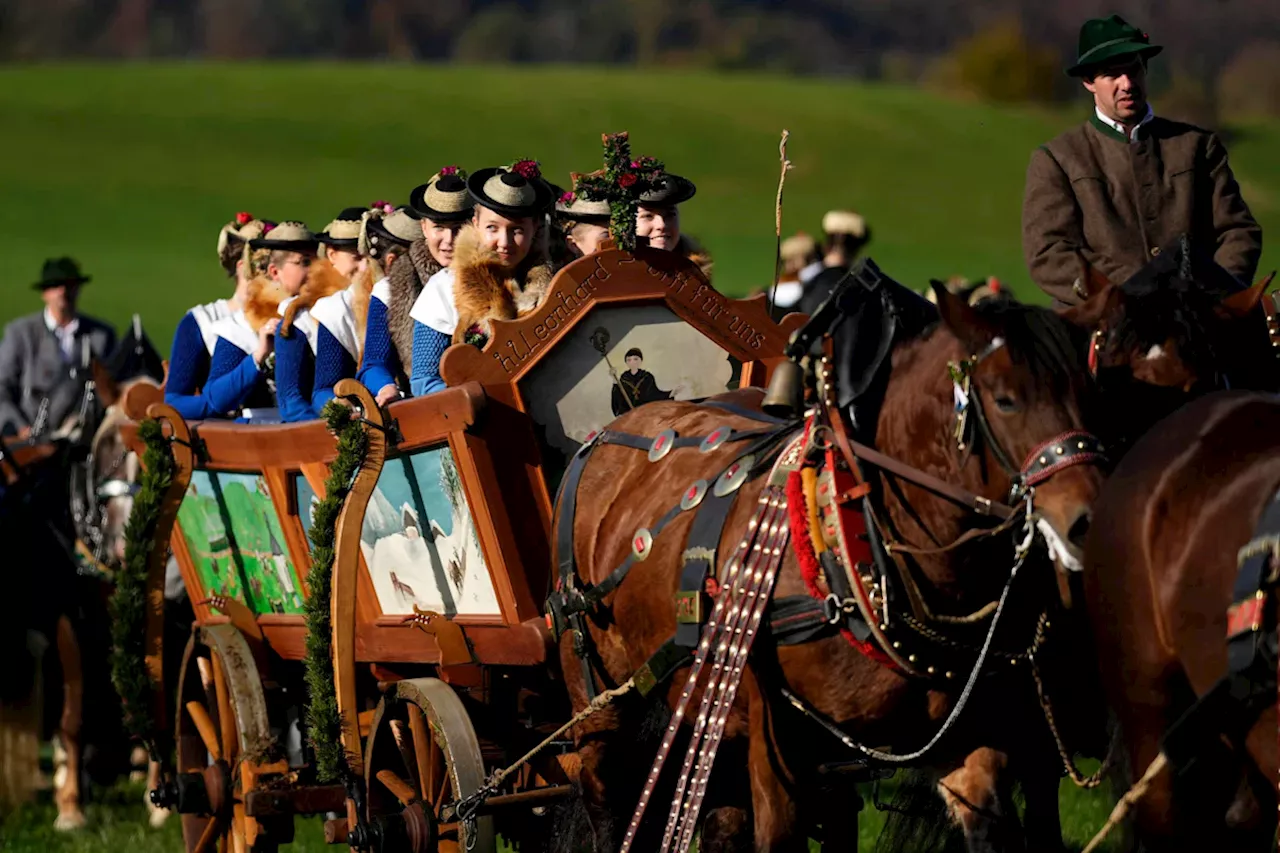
x: 1155, y: 251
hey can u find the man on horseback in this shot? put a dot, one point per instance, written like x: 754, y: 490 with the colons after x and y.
x: 41, y: 355
x: 1109, y: 193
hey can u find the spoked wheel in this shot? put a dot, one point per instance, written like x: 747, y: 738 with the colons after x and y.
x: 422, y: 755
x: 222, y: 735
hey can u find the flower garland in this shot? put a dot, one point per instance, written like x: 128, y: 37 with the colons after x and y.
x: 128, y: 608
x: 324, y: 722
x: 621, y: 183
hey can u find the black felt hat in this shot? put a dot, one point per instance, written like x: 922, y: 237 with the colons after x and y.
x: 395, y: 231
x: 344, y: 231
x: 668, y: 190
x: 510, y: 193
x: 60, y: 271
x: 290, y: 236
x: 444, y: 198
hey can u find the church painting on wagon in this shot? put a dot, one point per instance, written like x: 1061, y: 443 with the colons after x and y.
x: 419, y: 540
x: 231, y: 530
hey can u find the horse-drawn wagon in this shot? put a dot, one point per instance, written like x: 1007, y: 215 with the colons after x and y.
x: 370, y: 638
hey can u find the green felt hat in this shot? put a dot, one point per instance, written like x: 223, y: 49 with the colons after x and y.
x: 58, y: 271
x: 1105, y: 39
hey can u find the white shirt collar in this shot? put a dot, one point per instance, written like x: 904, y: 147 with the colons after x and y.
x: 1119, y: 128
x: 66, y: 335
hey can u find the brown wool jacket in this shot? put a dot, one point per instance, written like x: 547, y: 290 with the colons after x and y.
x: 1093, y: 198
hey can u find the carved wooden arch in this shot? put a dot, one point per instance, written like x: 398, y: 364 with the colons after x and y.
x: 610, y: 278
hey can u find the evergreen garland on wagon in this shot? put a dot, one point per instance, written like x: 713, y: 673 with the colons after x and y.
x: 621, y: 183
x: 324, y: 722
x: 129, y: 673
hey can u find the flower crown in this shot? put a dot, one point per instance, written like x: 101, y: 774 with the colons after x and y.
x: 527, y: 169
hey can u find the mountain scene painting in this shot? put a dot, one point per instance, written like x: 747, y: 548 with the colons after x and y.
x: 419, y: 539
x: 230, y: 527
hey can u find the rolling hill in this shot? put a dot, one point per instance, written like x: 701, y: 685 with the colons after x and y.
x: 132, y: 168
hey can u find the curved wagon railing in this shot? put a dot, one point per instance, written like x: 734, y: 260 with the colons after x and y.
x: 442, y: 659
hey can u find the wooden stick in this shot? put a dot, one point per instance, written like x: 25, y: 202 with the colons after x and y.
x: 777, y: 248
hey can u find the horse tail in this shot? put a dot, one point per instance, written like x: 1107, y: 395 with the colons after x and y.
x: 917, y: 818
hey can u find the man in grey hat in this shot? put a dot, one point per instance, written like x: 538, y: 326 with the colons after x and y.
x: 44, y: 356
x: 1108, y: 194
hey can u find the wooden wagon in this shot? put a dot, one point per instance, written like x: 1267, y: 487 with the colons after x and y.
x: 443, y: 662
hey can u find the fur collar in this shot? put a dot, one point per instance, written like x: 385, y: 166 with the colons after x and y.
x: 362, y: 292
x: 694, y: 251
x: 406, y: 278
x: 262, y: 301
x: 484, y: 290
x: 322, y: 280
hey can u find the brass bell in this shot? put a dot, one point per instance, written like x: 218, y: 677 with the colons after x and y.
x: 785, y: 395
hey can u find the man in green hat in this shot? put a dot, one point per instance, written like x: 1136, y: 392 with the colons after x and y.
x: 1111, y: 192
x: 43, y: 356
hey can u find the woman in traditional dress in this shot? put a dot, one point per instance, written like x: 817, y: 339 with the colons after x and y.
x: 584, y: 224
x: 440, y: 207
x: 341, y: 318
x: 500, y: 269
x: 193, y: 342
x: 297, y: 339
x: 241, y: 376
x: 658, y: 219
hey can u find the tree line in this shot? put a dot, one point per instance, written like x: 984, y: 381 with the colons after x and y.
x: 899, y: 40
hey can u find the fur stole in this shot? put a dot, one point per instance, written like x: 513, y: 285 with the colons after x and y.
x: 322, y: 280
x: 262, y: 300
x: 363, y: 292
x: 406, y: 278
x: 694, y: 251
x: 484, y: 290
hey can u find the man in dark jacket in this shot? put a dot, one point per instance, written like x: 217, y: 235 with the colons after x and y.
x: 43, y: 355
x: 1110, y: 193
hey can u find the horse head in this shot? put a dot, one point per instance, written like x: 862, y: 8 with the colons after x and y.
x: 1179, y: 328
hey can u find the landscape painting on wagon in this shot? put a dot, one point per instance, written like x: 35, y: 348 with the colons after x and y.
x: 232, y: 532
x: 419, y: 539
x: 613, y: 361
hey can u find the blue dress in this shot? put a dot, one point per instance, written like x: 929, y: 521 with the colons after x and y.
x: 235, y: 382
x: 337, y: 347
x: 381, y: 362
x: 190, y: 359
x: 435, y: 317
x: 295, y: 367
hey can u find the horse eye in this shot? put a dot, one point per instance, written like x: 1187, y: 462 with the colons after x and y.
x: 1006, y: 403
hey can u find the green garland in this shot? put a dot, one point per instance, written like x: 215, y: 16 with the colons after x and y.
x: 324, y: 722
x: 128, y: 609
x: 621, y: 183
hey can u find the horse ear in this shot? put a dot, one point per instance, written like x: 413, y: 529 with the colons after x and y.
x: 1088, y: 314
x: 964, y: 321
x: 1243, y: 303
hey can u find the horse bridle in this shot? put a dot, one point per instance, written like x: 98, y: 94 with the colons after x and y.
x: 1065, y: 450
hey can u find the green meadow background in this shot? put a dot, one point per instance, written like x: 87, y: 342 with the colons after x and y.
x: 133, y: 168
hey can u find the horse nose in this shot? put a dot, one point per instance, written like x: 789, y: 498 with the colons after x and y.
x: 1079, y: 528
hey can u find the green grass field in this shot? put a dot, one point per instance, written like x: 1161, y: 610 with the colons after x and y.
x: 133, y: 168
x: 117, y: 821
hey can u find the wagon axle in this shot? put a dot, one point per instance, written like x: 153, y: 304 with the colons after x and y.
x: 412, y: 830
x: 205, y: 793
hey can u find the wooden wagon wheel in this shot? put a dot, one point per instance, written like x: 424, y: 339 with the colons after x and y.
x: 222, y: 737
x: 422, y: 755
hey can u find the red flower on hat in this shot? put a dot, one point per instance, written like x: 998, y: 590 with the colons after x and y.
x: 567, y: 198
x: 243, y: 218
x: 627, y: 179
x: 268, y: 228
x: 448, y: 170
x: 527, y: 169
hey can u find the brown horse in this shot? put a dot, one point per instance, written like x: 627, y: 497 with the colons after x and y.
x: 1159, y: 567
x: 1030, y: 380
x: 1181, y: 327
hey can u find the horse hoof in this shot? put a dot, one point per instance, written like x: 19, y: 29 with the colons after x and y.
x: 69, y: 822
x: 158, y: 817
